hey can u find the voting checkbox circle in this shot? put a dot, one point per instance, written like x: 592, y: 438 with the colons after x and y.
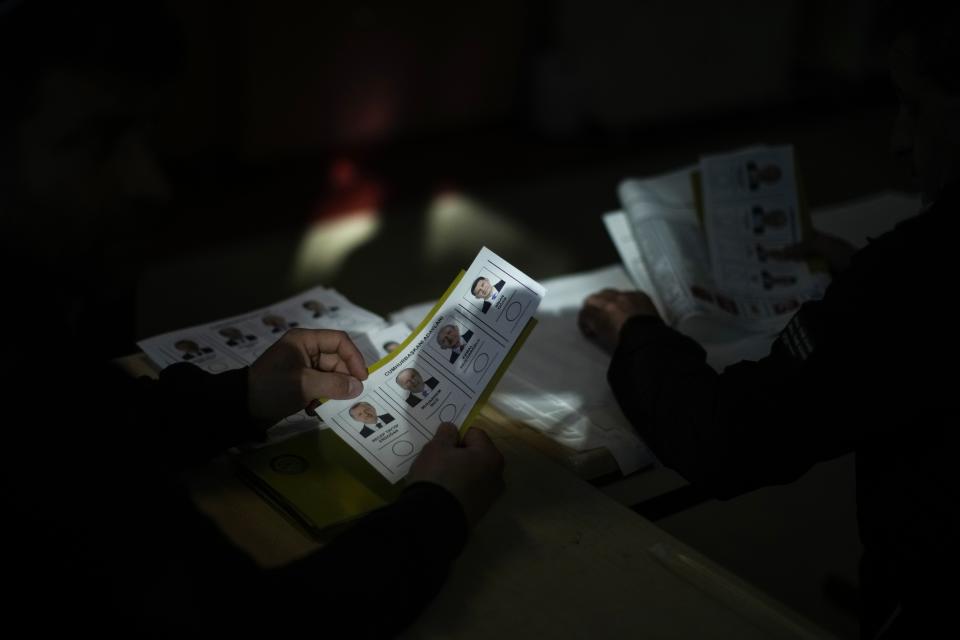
x: 480, y: 362
x: 448, y: 413
x: 402, y: 448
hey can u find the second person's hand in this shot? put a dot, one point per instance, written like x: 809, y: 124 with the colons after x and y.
x: 604, y: 313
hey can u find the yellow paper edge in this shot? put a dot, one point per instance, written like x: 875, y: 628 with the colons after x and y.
x: 491, y: 385
x: 423, y: 323
x: 341, y: 454
x: 403, y: 345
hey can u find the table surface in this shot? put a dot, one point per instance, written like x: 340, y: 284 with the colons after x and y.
x: 554, y: 557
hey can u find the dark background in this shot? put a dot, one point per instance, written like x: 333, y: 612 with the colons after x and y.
x: 224, y: 154
x: 426, y: 129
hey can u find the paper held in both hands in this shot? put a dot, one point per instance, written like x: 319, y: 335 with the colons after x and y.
x: 328, y: 470
x: 443, y: 368
x: 702, y: 241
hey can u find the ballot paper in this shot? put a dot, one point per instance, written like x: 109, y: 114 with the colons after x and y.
x: 235, y: 342
x: 381, y: 342
x: 443, y: 370
x: 701, y: 241
x: 558, y: 383
x: 751, y: 209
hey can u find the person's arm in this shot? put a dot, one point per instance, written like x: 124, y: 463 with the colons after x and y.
x: 752, y: 425
x: 188, y: 415
x: 375, y: 578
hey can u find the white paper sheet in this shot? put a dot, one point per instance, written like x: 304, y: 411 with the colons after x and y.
x: 443, y: 370
x: 730, y: 280
x: 752, y: 208
x: 558, y: 382
x: 381, y: 342
x: 231, y: 343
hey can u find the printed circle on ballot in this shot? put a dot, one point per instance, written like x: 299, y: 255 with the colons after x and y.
x: 448, y: 413
x: 480, y: 362
x: 402, y: 448
x: 514, y: 310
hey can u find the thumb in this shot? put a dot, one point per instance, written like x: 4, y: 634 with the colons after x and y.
x: 329, y: 384
x: 477, y: 439
x: 446, y: 435
x: 586, y: 320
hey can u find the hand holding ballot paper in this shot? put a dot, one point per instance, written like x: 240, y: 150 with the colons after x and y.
x: 711, y: 244
x: 379, y: 422
x: 458, y: 349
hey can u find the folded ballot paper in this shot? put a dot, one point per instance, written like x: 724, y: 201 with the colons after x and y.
x: 323, y: 473
x: 702, y: 241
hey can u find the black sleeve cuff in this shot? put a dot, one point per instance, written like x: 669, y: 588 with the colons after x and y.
x: 441, y: 511
x: 203, y: 413
x: 424, y: 530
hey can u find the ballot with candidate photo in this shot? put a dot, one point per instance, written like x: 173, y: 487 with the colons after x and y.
x: 346, y: 457
x: 704, y: 241
x: 442, y: 371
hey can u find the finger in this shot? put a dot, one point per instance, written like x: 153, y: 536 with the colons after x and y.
x: 321, y: 341
x: 586, y: 320
x: 599, y: 298
x: 446, y: 435
x: 478, y: 441
x: 326, y: 384
x: 476, y: 438
x: 332, y: 362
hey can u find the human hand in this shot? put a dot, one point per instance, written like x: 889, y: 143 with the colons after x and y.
x: 604, y: 313
x: 303, y: 365
x: 836, y: 252
x: 472, y: 470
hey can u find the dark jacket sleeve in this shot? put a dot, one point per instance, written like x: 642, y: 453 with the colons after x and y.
x: 730, y: 432
x: 858, y: 360
x: 375, y: 578
x: 188, y: 416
